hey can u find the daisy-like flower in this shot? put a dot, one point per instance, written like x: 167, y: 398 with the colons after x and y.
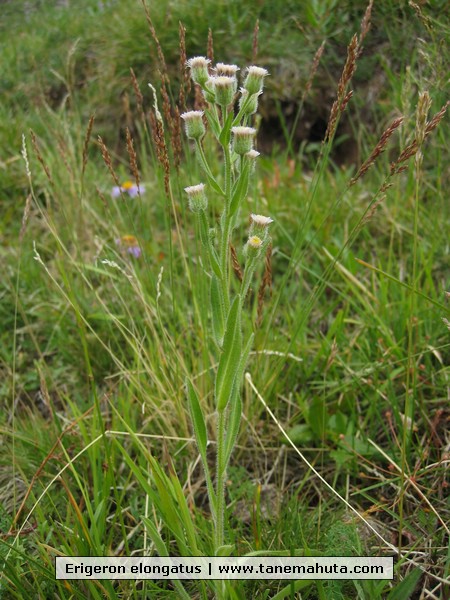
x: 243, y: 139
x: 253, y: 246
x: 255, y: 242
x: 260, y: 220
x: 198, y: 201
x: 127, y: 187
x: 254, y: 82
x: 228, y: 71
x: 259, y: 225
x: 199, y: 69
x: 128, y: 244
x: 224, y: 88
x: 193, y: 122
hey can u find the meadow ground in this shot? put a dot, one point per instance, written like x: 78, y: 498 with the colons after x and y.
x: 105, y: 302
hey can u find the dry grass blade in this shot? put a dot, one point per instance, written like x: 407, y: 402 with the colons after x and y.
x: 162, y: 60
x: 108, y: 161
x: 342, y: 97
x: 161, y: 149
x: 379, y: 149
x: 314, y: 67
x: 210, y: 46
x: 87, y: 139
x: 365, y: 26
x: 138, y: 94
x: 248, y: 378
x: 184, y: 77
x: 26, y: 214
x: 413, y: 147
x: 37, y: 151
x: 255, y: 42
x: 133, y: 159
x: 265, y: 283
x: 235, y: 263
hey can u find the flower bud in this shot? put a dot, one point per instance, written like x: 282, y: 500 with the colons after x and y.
x: 254, y: 82
x: 228, y: 71
x: 249, y: 102
x: 243, y: 139
x: 193, y: 122
x: 197, y: 197
x: 253, y: 246
x: 224, y: 89
x: 259, y: 225
x: 199, y: 69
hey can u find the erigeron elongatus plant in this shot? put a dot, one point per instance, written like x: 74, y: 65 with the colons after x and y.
x: 236, y: 139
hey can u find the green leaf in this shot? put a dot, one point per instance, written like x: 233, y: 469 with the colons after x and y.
x: 215, y: 261
x: 300, y: 434
x: 218, y: 310
x: 405, y: 588
x: 225, y: 550
x: 318, y: 417
x: 240, y: 189
x: 229, y: 361
x: 225, y: 134
x: 161, y: 548
x: 198, y: 421
x: 213, y: 122
x: 234, y: 419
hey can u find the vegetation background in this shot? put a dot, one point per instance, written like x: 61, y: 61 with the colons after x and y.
x: 92, y: 339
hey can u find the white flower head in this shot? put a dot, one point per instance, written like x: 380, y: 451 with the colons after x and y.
x: 243, y: 139
x: 253, y: 154
x: 261, y: 220
x: 192, y: 114
x: 254, y: 82
x: 227, y: 70
x: 198, y: 201
x: 224, y: 88
x: 199, y: 69
x: 193, y: 122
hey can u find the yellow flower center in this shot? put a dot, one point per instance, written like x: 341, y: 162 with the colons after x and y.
x: 127, y: 185
x: 129, y: 240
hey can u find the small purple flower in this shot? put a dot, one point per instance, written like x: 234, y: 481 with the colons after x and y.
x: 128, y: 244
x: 128, y: 187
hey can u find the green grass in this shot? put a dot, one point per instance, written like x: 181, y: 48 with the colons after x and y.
x: 94, y: 341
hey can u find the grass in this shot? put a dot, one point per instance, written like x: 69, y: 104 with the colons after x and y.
x: 97, y: 449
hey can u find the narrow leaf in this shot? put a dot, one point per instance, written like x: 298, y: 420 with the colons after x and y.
x: 234, y: 419
x: 229, y: 361
x: 240, y: 190
x: 213, y: 123
x: 218, y: 310
x: 198, y: 421
x: 225, y: 134
x: 405, y: 588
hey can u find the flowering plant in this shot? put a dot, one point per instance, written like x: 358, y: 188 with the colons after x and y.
x: 236, y: 138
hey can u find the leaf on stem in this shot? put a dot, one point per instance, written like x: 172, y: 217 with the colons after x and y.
x: 229, y: 361
x: 198, y: 421
x: 218, y: 310
x: 234, y: 419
